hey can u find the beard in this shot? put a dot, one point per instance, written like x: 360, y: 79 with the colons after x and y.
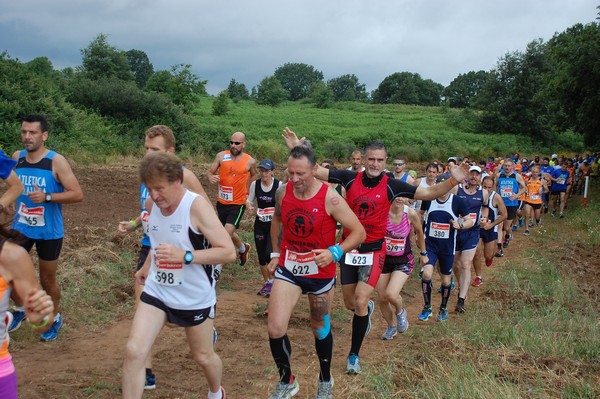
x: 234, y: 151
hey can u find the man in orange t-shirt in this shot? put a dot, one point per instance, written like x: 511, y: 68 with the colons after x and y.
x: 236, y: 170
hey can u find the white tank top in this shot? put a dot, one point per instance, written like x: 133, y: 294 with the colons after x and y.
x: 179, y: 286
x: 417, y: 204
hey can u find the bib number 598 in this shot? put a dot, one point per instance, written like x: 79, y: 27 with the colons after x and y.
x: 165, y: 278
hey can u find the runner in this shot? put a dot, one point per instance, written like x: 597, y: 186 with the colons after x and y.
x: 476, y: 201
x: 399, y: 264
x: 431, y: 173
x: 488, y: 230
x: 236, y: 170
x: 443, y: 220
x: 510, y: 185
x: 306, y: 212
x: 369, y: 195
x: 15, y: 187
x: 186, y: 240
x: 159, y: 138
x: 262, y: 191
x: 399, y: 173
x: 558, y: 190
x: 533, y: 203
x: 49, y: 183
x: 356, y: 161
x: 17, y: 273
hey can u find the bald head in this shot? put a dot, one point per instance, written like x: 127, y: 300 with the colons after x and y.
x: 237, y: 143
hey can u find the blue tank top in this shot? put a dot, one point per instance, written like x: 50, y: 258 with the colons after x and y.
x: 38, y: 221
x: 507, y: 187
x: 474, y: 203
x: 440, y: 235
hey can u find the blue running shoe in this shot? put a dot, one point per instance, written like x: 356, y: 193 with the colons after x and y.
x: 522, y: 221
x: 353, y: 365
x: 370, y: 307
x: 442, y: 315
x: 150, y: 382
x: 425, y: 313
x: 18, y: 317
x: 52, y: 332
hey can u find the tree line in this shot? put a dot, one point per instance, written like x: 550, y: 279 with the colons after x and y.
x: 550, y: 88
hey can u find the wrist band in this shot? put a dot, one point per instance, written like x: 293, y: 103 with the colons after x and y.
x: 452, y: 182
x: 134, y: 223
x: 38, y: 326
x: 275, y: 255
x: 337, y: 252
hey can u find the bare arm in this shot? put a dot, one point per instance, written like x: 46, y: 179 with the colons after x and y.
x: 337, y: 207
x: 276, y: 228
x: 252, y: 171
x: 292, y: 140
x: 15, y: 188
x: 212, y: 175
x: 64, y: 174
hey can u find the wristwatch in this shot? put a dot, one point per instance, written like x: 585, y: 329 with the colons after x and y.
x: 188, y: 257
x: 48, y: 197
x: 424, y: 253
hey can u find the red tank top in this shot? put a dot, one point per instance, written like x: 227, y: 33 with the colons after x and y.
x: 371, y: 205
x: 307, y: 226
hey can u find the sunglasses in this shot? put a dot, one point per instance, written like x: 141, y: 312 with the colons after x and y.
x: 235, y: 142
x: 398, y: 164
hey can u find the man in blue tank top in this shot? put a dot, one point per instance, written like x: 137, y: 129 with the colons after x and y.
x: 49, y: 183
x: 510, y: 185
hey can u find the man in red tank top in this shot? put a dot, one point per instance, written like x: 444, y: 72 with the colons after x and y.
x: 236, y: 170
x: 306, y: 212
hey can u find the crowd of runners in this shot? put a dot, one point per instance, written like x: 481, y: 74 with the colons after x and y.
x: 377, y: 224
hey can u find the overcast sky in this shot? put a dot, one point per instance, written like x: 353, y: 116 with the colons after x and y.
x: 248, y: 39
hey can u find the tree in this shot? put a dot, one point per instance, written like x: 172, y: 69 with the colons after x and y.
x: 462, y: 92
x: 297, y: 79
x: 140, y: 66
x: 237, y: 91
x: 270, y: 92
x: 220, y: 106
x: 347, y: 88
x: 103, y: 60
x: 407, y: 88
x: 179, y: 84
x: 321, y: 95
x: 576, y: 81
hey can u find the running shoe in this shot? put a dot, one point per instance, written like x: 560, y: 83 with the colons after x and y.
x: 261, y: 292
x: 539, y: 222
x: 325, y: 389
x: 215, y: 336
x: 530, y: 223
x: 150, y: 382
x: 52, y: 333
x: 285, y: 391
x: 522, y: 221
x: 526, y: 232
x: 514, y: 227
x: 553, y: 213
x: 267, y: 289
x: 353, y: 365
x: 389, y: 333
x: 562, y: 215
x: 442, y: 315
x: 370, y: 308
x: 17, y: 321
x: 402, y: 321
x: 460, y: 306
x: 477, y: 281
x: 499, y: 254
x: 506, y: 242
x: 425, y: 313
x: 244, y: 256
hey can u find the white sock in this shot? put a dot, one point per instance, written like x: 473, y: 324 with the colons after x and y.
x: 215, y: 395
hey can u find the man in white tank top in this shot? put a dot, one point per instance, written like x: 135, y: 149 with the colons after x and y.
x: 186, y: 239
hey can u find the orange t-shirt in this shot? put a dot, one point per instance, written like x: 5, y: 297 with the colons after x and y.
x: 233, y: 180
x: 534, y: 191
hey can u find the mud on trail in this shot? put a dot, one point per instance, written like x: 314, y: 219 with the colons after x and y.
x: 86, y: 360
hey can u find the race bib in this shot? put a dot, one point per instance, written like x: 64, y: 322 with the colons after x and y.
x: 506, y: 192
x: 394, y: 245
x: 560, y: 180
x: 169, y: 274
x: 534, y: 197
x: 301, y: 264
x: 226, y: 193
x: 33, y: 217
x: 265, y: 214
x: 439, y: 230
x: 354, y: 258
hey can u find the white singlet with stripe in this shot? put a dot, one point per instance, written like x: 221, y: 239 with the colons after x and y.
x: 197, y: 288
x: 417, y: 204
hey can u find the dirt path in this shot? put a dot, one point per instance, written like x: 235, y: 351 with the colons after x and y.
x: 87, y: 364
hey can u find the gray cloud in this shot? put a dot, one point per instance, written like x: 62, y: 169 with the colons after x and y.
x: 248, y: 40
